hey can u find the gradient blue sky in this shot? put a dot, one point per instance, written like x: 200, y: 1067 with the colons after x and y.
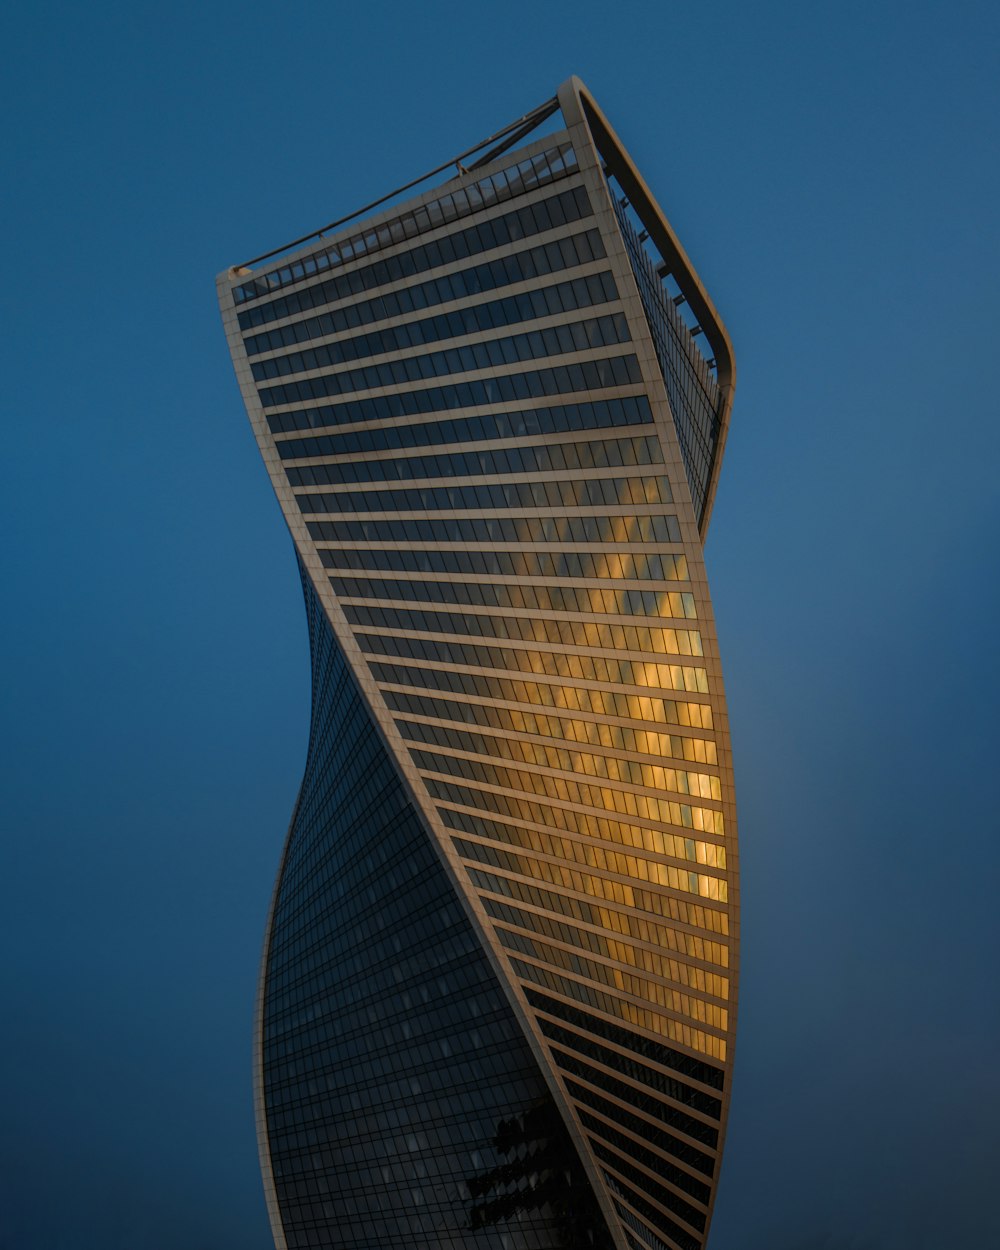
x: 832, y: 171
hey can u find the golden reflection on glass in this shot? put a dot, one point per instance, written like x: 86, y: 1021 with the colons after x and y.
x: 639, y: 957
x: 539, y: 815
x: 698, y: 1009
x: 658, y: 841
x: 593, y: 855
x: 641, y: 838
x: 602, y: 635
x: 586, y: 733
x: 610, y: 767
x: 601, y: 798
x: 631, y: 895
x: 582, y: 667
x: 589, y: 911
x: 598, y: 733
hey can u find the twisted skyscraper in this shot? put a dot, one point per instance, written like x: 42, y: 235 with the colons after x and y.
x: 496, y: 1003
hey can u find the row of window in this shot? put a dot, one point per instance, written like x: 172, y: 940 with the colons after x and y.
x: 592, y: 599
x: 664, y: 1196
x: 378, y: 1028
x: 541, y: 529
x: 557, y: 210
x: 648, y: 1241
x: 642, y: 1099
x: 590, y: 733
x: 502, y: 388
x: 545, y: 694
x: 506, y: 184
x: 562, y: 873
x: 524, y: 423
x: 562, y: 633
x: 654, y: 841
x: 534, y: 262
x: 558, y: 874
x: 540, y: 663
x: 626, y: 1065
x: 680, y: 1237
x: 656, y: 1162
x: 364, y: 1060
x: 579, y: 565
x: 617, y: 979
x: 556, y: 458
x: 692, y: 945
x: 471, y: 319
x: 601, y: 799
x: 656, y: 1136
x: 686, y: 1065
x: 667, y: 906
x: 570, y: 851
x: 304, y: 968
x: 588, y: 492
x: 695, y: 978
x: 624, y: 1009
x: 605, y: 767
x: 578, y: 336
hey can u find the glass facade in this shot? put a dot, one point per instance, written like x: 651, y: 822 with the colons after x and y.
x: 404, y: 1106
x: 499, y: 984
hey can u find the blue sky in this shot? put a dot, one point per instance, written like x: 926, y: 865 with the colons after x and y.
x: 831, y: 169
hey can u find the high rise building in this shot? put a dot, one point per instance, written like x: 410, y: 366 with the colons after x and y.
x: 496, y: 1003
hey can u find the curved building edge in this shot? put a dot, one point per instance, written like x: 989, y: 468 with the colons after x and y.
x: 574, y: 98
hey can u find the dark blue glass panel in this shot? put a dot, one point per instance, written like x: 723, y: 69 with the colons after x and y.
x: 522, y: 223
x: 502, y: 271
x: 403, y: 1105
x: 468, y: 319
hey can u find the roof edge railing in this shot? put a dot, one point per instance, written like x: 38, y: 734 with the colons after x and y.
x: 511, y: 133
